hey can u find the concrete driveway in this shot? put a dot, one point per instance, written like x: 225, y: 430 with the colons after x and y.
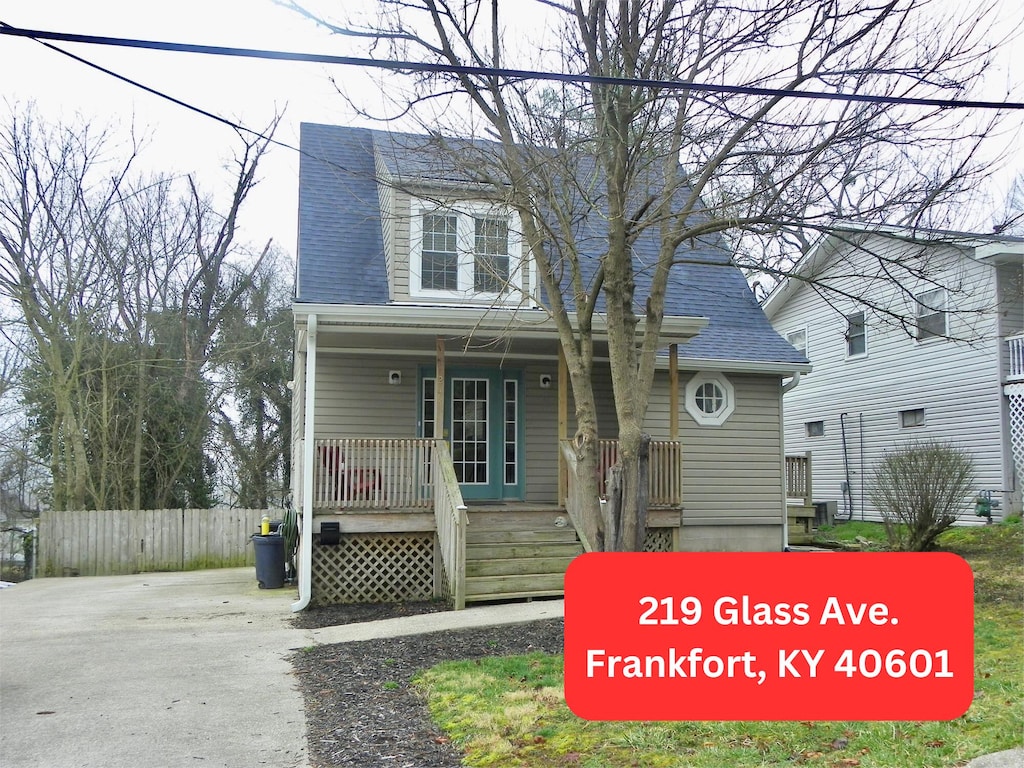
x: 157, y: 669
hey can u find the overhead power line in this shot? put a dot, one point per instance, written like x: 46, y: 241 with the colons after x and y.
x: 512, y: 74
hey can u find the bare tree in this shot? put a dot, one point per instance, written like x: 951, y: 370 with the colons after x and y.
x: 634, y: 147
x: 120, y: 284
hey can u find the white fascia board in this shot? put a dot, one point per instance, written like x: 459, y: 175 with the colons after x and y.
x: 993, y: 251
x: 431, y: 320
x: 737, y: 366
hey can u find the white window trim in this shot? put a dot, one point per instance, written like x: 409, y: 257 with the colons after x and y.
x: 846, y: 335
x: 518, y: 264
x: 803, y: 330
x: 918, y: 314
x: 728, y: 406
x: 924, y: 418
x: 807, y: 429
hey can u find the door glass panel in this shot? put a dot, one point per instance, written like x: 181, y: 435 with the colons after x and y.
x: 511, y: 431
x: 469, y: 430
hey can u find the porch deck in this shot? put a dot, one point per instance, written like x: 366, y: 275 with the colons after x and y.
x: 405, y: 532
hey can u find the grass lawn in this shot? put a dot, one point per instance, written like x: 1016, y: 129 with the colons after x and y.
x: 511, y: 711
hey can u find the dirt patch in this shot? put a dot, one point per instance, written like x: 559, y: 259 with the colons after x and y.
x: 337, y: 615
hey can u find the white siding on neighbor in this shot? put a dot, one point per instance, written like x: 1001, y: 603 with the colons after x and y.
x: 956, y: 383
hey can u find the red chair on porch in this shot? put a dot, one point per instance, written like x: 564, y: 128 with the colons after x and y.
x: 348, y: 484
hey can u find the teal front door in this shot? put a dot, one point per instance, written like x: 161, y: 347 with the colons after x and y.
x: 483, y: 425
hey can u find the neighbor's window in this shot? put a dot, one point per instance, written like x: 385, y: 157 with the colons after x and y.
x: 815, y: 428
x: 856, y: 335
x: 913, y: 417
x: 710, y: 399
x: 798, y: 339
x: 466, y: 251
x: 931, y: 314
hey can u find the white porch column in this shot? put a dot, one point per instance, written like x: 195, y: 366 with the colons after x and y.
x: 308, y: 457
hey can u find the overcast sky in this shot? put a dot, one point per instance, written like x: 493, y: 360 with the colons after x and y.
x: 247, y: 91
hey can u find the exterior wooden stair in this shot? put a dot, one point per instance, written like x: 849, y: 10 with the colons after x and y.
x: 517, y: 554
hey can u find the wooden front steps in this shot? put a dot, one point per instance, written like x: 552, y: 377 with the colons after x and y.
x: 516, y: 552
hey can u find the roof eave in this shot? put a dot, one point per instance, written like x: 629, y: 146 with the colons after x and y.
x: 432, y: 320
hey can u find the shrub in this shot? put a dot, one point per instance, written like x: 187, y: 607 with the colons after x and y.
x: 920, y: 490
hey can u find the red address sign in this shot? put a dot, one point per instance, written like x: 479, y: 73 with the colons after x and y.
x: 769, y: 636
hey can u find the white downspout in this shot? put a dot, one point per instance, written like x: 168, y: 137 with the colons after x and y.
x: 308, y: 454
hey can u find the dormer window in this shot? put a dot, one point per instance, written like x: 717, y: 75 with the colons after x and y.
x: 465, y: 252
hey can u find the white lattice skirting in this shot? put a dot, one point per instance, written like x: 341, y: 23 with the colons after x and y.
x: 374, y: 568
x: 1015, y: 395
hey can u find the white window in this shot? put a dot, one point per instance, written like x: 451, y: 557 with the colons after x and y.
x: 798, y: 340
x: 467, y: 251
x: 931, y: 314
x: 912, y: 417
x: 856, y: 335
x: 710, y: 399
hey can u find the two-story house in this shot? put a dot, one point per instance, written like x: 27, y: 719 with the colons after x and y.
x: 432, y: 410
x: 918, y: 338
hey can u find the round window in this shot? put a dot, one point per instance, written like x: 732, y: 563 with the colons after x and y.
x: 709, y: 397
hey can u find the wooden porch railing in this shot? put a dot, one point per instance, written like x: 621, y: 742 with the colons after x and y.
x: 451, y: 520
x: 798, y: 478
x: 1015, y: 352
x: 665, y: 483
x: 573, y: 503
x: 372, y: 473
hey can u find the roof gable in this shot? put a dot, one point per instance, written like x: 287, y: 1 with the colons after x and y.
x: 341, y: 257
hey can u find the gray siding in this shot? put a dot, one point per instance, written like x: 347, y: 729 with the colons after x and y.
x: 354, y: 400
x: 386, y: 193
x: 732, y: 474
x: 860, y: 399
x: 400, y: 243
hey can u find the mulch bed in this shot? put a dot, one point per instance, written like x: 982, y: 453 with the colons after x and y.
x: 361, y: 709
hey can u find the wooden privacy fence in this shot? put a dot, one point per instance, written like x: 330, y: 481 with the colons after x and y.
x: 109, y: 542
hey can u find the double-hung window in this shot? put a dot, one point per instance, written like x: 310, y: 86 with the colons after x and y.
x: 931, y: 314
x: 467, y: 252
x: 856, y: 335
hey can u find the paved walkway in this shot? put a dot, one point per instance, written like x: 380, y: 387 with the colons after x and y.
x: 181, y: 669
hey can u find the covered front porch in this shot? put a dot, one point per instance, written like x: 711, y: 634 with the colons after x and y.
x: 475, y: 500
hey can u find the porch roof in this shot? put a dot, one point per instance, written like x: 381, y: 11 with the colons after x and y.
x: 414, y: 328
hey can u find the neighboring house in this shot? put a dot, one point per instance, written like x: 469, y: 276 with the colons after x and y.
x: 432, y: 413
x: 953, y: 372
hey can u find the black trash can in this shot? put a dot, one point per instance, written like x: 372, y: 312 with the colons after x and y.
x: 269, y: 560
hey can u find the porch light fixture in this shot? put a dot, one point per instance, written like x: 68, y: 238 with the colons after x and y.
x: 394, y: 377
x: 545, y: 381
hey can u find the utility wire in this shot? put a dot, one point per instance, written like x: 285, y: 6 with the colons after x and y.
x: 4, y: 27
x: 512, y: 74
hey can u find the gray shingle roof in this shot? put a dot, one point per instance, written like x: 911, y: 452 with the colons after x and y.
x: 341, y: 251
